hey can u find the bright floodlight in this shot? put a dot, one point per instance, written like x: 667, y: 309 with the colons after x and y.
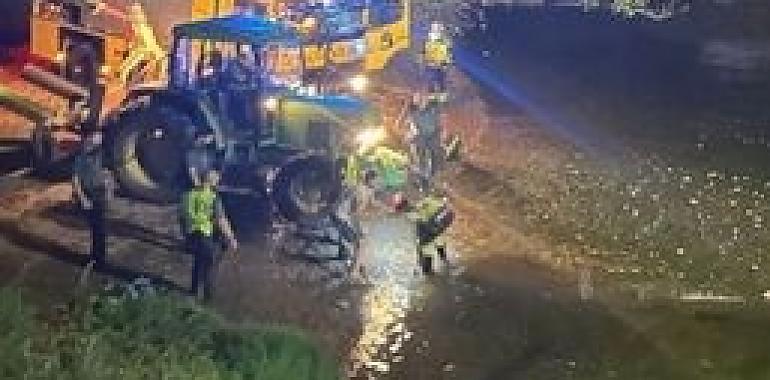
x: 359, y: 83
x: 369, y: 138
x: 270, y: 104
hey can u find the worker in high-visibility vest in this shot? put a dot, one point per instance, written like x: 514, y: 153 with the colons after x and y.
x: 432, y: 216
x: 203, y: 221
x: 437, y: 56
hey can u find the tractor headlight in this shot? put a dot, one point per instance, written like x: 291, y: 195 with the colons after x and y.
x: 359, y: 46
x: 60, y: 57
x: 370, y: 138
x: 359, y: 83
x: 270, y: 104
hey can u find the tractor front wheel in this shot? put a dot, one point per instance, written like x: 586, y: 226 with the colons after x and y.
x: 306, y: 188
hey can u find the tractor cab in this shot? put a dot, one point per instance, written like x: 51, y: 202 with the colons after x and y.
x: 237, y: 52
x: 235, y: 68
x: 250, y: 70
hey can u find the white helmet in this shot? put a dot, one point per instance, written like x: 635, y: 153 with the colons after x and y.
x: 436, y: 31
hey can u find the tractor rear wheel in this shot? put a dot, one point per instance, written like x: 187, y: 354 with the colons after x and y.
x: 148, y: 150
x: 307, y: 188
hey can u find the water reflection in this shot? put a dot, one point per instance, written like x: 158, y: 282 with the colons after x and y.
x: 389, y: 256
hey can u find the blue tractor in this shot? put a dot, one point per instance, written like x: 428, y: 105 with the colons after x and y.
x: 234, y: 101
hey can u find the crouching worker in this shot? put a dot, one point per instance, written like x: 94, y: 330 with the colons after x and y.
x: 203, y: 222
x: 432, y: 216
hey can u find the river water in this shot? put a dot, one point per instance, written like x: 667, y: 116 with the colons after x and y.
x: 611, y: 212
x: 632, y: 80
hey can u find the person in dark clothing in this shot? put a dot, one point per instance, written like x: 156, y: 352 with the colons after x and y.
x: 432, y: 216
x: 203, y: 220
x: 93, y: 189
x: 425, y: 139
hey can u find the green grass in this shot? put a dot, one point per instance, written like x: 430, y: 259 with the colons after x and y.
x: 122, y: 335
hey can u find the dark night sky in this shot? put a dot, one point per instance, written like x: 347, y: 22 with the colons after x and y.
x: 15, y: 21
x: 743, y: 17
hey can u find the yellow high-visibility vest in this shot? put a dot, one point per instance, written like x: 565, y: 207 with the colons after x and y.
x: 199, y: 211
x: 437, y: 53
x: 352, y: 170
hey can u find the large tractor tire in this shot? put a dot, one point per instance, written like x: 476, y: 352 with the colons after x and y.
x: 148, y: 149
x: 307, y: 188
x: 246, y: 206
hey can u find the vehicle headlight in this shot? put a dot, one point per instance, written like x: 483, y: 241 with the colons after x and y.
x: 359, y: 83
x: 359, y: 47
x: 270, y: 104
x: 369, y: 138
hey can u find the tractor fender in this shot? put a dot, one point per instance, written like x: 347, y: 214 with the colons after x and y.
x: 200, y: 110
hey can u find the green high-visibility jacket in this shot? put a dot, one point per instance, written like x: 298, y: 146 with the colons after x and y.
x: 391, y: 166
x: 427, y: 208
x: 352, y: 172
x: 438, y: 53
x: 199, y: 211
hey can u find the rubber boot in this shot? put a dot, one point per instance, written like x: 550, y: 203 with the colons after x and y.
x: 426, y: 264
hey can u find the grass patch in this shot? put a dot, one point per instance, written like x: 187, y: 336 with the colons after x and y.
x: 148, y: 335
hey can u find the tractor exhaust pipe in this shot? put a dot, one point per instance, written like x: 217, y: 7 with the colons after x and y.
x: 55, y: 84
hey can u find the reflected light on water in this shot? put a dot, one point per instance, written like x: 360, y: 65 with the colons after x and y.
x: 388, y: 253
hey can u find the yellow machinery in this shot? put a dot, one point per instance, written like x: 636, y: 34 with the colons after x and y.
x: 385, y: 40
x: 128, y: 37
x: 44, y: 31
x: 385, y: 26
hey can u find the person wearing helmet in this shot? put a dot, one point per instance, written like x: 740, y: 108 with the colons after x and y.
x: 437, y: 53
x: 203, y: 219
x: 93, y: 189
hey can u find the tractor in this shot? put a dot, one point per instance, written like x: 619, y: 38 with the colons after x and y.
x: 229, y: 89
x: 111, y: 47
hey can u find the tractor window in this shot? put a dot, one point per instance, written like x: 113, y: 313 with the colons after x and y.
x: 344, y: 21
x: 283, y: 65
x: 319, y: 135
x: 182, y: 61
x: 215, y: 64
x: 73, y: 14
